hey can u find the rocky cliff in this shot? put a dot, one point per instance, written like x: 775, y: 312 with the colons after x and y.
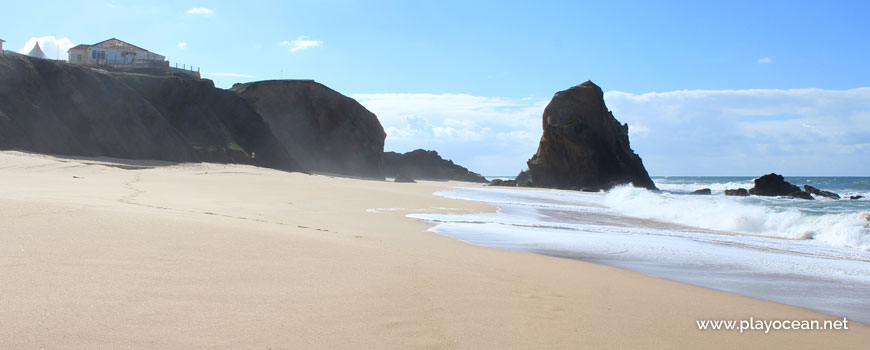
x: 54, y: 107
x: 583, y: 146
x: 427, y: 165
x: 321, y: 128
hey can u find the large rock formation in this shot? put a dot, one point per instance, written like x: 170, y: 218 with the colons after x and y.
x: 427, y: 165
x: 53, y: 107
x: 322, y: 129
x: 583, y: 146
x: 218, y: 124
x: 773, y: 185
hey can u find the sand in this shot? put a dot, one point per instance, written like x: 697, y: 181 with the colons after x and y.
x: 101, y: 253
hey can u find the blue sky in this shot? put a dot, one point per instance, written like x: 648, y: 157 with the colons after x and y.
x: 724, y: 88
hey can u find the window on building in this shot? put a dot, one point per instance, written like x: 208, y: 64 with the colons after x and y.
x: 78, y: 58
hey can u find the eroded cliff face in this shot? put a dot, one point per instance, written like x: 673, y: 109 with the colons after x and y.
x: 427, y: 165
x: 583, y: 146
x: 321, y: 128
x: 54, y: 107
x: 51, y: 107
x: 218, y: 124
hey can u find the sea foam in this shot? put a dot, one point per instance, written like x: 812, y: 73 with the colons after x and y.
x: 741, y: 215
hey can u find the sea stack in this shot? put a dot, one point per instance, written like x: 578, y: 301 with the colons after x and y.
x: 583, y: 146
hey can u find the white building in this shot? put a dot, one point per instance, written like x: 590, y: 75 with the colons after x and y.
x: 1, y: 44
x: 115, y: 52
x: 37, y: 52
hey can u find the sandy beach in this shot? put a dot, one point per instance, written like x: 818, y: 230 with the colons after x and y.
x: 103, y: 253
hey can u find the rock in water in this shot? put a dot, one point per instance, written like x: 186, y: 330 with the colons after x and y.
x: 506, y: 183
x: 740, y: 192
x: 817, y: 192
x: 702, y: 191
x: 322, y: 129
x: 801, y: 195
x: 773, y: 185
x: 584, y: 146
x: 423, y: 164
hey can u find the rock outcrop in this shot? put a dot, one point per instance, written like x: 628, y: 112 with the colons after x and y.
x: 504, y: 183
x: 801, y: 195
x: 773, y: 185
x: 322, y: 129
x: 703, y: 191
x: 427, y: 165
x: 821, y: 193
x: 53, y: 107
x: 583, y: 146
x: 740, y: 192
x: 403, y: 178
x: 218, y: 124
x: 524, y: 179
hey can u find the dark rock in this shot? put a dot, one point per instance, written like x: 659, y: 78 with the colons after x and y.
x: 221, y: 126
x: 403, y: 178
x: 506, y: 183
x: 702, y: 191
x: 817, y: 192
x: 524, y: 179
x: 53, y: 107
x: 524, y: 176
x: 773, y: 185
x: 584, y: 146
x: 428, y: 165
x: 856, y: 197
x: 324, y: 130
x: 801, y: 195
x: 740, y: 192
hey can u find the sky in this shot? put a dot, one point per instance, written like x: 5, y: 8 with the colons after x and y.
x: 707, y: 87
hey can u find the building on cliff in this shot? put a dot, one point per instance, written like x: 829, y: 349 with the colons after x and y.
x: 119, y: 55
x: 1, y: 44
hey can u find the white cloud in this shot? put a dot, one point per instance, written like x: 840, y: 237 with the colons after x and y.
x: 687, y: 132
x: 470, y: 130
x: 200, y: 11
x: 301, y: 43
x: 748, y: 132
x: 231, y: 75
x: 53, y: 47
x: 765, y: 60
x: 182, y: 45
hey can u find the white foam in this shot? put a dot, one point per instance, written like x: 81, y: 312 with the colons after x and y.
x: 851, y: 230
x: 800, y: 261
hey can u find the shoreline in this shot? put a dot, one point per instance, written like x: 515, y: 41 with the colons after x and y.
x: 573, y: 226
x: 204, y: 255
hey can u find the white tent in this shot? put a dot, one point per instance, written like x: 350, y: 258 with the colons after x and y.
x: 36, y: 52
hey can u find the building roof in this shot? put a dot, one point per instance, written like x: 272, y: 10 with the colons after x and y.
x: 36, y: 52
x: 78, y: 47
x: 117, y: 44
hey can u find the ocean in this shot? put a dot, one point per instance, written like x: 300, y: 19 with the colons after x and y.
x: 813, y: 254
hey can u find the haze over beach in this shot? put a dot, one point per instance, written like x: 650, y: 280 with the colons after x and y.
x: 393, y: 174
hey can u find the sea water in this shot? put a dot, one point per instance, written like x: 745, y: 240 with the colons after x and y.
x: 813, y: 254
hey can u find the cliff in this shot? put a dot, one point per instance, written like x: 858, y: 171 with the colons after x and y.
x: 583, y: 146
x: 321, y: 128
x: 427, y: 165
x: 54, y: 107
